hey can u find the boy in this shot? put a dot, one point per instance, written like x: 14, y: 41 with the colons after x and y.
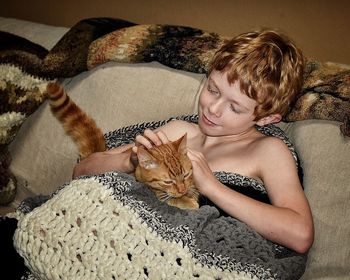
x: 253, y: 80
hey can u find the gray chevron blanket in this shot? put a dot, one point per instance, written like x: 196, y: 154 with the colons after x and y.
x: 112, y: 227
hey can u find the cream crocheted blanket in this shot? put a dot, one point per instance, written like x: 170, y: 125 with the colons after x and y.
x: 112, y: 227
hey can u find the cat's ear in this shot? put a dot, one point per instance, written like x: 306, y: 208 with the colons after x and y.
x: 146, y: 160
x: 181, y: 144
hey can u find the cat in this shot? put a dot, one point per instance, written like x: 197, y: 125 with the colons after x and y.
x: 165, y: 169
x: 168, y: 171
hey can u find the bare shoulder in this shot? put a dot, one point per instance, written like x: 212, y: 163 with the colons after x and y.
x: 272, y: 155
x: 177, y: 128
x: 275, y: 161
x: 271, y: 146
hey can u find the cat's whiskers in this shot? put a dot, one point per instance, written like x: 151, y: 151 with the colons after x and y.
x: 164, y: 197
x: 193, y: 192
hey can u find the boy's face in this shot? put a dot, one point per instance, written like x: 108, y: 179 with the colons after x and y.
x: 223, y: 108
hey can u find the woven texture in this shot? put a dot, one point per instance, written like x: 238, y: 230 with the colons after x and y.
x: 111, y: 227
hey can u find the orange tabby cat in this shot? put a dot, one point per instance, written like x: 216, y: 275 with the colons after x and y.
x: 166, y: 169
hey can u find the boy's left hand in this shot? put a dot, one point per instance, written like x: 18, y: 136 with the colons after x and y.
x: 202, y: 174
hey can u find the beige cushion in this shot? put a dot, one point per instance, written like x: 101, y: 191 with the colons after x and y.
x: 42, y: 34
x: 325, y: 157
x: 115, y: 96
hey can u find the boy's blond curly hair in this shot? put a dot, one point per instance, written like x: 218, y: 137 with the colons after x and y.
x: 268, y: 66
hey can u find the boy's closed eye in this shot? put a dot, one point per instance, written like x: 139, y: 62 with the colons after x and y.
x: 234, y: 109
x: 212, y: 89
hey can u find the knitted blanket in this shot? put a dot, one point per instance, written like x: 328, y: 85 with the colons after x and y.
x: 26, y: 68
x: 112, y: 227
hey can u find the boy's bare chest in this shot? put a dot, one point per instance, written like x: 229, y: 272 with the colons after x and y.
x: 237, y: 158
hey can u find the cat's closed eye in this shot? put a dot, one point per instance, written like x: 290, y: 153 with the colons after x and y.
x: 169, y: 182
x: 187, y: 175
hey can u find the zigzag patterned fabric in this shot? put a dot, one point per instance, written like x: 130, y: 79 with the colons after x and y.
x: 112, y: 227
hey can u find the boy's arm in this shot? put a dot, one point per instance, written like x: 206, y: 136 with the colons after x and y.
x: 118, y: 159
x: 287, y: 221
x: 292, y: 220
x: 123, y: 159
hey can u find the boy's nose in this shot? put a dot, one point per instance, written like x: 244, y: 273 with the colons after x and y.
x: 215, y: 109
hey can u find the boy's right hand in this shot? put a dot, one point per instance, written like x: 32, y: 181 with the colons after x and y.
x: 149, y: 139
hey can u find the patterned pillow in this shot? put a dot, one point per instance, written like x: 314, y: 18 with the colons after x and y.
x: 325, y: 94
x: 25, y: 70
x: 21, y: 94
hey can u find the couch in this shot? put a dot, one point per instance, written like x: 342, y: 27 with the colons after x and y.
x: 120, y: 94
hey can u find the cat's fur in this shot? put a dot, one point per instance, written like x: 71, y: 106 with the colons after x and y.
x: 166, y: 169
x: 77, y: 124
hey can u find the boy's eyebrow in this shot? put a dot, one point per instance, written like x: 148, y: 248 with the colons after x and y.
x: 211, y: 80
x: 232, y: 100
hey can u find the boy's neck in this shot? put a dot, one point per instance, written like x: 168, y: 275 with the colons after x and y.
x: 207, y: 140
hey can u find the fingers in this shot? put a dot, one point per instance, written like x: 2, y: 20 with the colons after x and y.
x: 150, y: 138
x: 134, y: 149
x: 156, y: 138
x: 133, y: 156
x: 198, y: 160
x: 164, y: 139
x: 194, y: 155
x: 141, y: 140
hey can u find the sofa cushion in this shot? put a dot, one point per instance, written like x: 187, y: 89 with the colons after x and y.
x: 42, y: 34
x: 325, y: 158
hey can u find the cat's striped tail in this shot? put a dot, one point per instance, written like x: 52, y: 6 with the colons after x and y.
x: 76, y: 123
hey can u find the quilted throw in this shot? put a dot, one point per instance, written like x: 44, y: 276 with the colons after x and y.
x: 26, y: 68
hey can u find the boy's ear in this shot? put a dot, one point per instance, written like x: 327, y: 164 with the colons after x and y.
x: 273, y: 118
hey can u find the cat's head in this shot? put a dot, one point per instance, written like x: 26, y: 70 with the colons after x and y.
x: 167, y: 170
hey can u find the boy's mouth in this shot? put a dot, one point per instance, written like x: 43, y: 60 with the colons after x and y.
x: 207, y: 121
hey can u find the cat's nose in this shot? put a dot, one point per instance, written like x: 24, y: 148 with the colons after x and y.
x: 181, y: 188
